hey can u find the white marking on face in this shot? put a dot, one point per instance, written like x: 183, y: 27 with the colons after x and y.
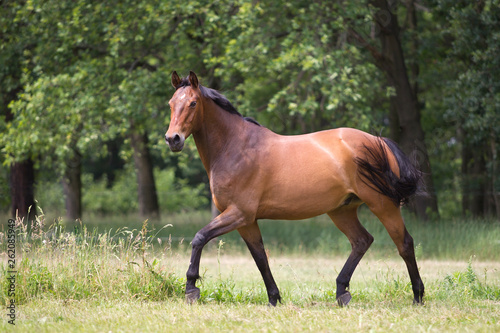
x: 182, y: 96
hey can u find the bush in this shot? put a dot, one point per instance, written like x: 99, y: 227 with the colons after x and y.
x: 120, y: 198
x: 174, y: 194
x: 49, y: 195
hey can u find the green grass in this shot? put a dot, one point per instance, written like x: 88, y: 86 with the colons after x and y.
x: 381, y: 300
x: 131, y: 279
x: 443, y: 239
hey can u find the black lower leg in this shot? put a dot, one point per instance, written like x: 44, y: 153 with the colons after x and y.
x: 252, y: 237
x: 271, y: 287
x: 408, y: 255
x: 343, y: 296
x: 359, y: 248
x: 260, y: 258
x: 192, y: 292
x: 227, y: 221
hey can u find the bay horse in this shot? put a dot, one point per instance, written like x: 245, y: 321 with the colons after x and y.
x: 257, y: 174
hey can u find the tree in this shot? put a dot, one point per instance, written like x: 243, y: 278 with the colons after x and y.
x: 472, y: 100
x: 391, y: 60
x: 294, y: 71
x: 56, y: 119
x: 11, y: 57
x: 100, y: 72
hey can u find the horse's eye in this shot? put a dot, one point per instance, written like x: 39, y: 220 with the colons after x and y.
x: 193, y: 104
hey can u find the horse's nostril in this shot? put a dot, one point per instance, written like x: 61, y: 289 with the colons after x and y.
x: 175, y: 142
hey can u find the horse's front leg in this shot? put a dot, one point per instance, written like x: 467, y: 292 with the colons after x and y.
x: 229, y: 220
x: 253, y: 238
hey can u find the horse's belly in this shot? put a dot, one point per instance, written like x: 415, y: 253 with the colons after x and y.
x: 298, y: 200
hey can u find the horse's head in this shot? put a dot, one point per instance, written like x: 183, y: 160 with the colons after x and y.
x: 185, y: 107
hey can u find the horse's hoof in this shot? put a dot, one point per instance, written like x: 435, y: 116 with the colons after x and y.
x: 344, y: 299
x: 273, y: 300
x: 418, y: 302
x: 192, y: 296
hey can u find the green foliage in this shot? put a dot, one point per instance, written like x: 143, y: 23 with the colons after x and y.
x: 33, y: 280
x: 467, y: 285
x: 462, y: 111
x: 147, y: 284
x: 49, y: 194
x: 174, y: 194
x: 56, y: 117
x: 299, y: 74
x: 77, y: 74
x: 5, y: 199
x: 473, y: 100
x: 120, y: 198
x: 225, y: 291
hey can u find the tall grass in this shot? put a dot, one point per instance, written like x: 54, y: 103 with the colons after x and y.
x: 445, y: 239
x: 124, y: 263
x: 83, y: 263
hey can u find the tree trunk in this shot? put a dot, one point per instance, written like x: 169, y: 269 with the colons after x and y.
x: 495, y: 187
x: 391, y: 61
x: 148, y: 199
x: 394, y: 128
x: 22, y: 174
x: 72, y: 187
x: 22, y: 180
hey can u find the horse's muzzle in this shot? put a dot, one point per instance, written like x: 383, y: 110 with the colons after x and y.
x: 175, y: 142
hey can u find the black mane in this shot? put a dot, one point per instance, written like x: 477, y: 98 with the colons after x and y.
x: 217, y: 97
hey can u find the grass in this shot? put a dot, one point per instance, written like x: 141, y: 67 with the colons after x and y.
x: 444, y: 239
x: 381, y: 302
x: 128, y: 280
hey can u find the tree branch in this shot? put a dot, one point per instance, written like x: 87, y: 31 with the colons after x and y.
x: 380, y: 61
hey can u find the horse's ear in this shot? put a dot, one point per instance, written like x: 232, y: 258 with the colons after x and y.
x: 176, y: 80
x: 193, y: 79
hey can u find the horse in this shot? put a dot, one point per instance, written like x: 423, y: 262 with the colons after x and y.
x: 256, y: 174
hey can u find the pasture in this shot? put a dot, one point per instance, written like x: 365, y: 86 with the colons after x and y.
x: 116, y: 279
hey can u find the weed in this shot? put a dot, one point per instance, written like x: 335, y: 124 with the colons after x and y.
x: 467, y: 285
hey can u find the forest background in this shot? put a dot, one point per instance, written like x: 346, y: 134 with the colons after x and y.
x: 85, y: 87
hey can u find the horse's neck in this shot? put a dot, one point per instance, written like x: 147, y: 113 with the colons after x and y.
x: 219, y: 131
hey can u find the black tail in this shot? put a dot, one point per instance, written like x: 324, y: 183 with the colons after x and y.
x: 376, y: 172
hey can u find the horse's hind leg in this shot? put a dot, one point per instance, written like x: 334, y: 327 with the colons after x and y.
x: 346, y: 219
x: 391, y: 218
x: 252, y: 237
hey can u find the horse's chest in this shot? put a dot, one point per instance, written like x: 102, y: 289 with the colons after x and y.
x: 233, y: 187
